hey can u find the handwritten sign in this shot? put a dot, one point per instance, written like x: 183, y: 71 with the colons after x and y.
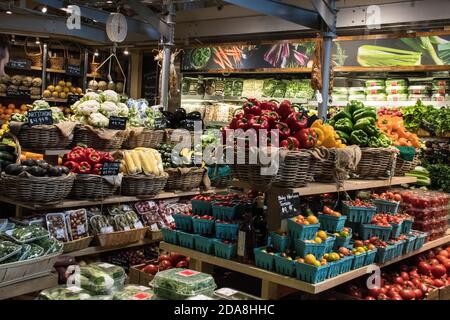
x: 19, y: 63
x: 110, y: 168
x: 37, y: 117
x: 72, y: 98
x: 289, y: 204
x: 160, y: 123
x: 117, y: 123
x: 73, y: 70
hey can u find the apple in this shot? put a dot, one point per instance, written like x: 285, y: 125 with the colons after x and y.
x: 164, y: 257
x: 438, y: 270
x: 150, y: 269
x: 175, y: 257
x: 182, y: 264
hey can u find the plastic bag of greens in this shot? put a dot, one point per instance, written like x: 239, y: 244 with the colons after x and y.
x: 238, y: 85
x: 8, y: 249
x: 134, y: 292
x: 228, y: 88
x: 64, y: 293
x: 291, y: 89
x: 280, y: 89
x: 102, y: 278
x: 305, y: 91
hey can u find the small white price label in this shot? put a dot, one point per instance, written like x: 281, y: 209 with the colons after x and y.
x: 105, y: 265
x: 154, y: 227
x: 60, y: 233
x: 170, y: 219
x: 226, y: 292
x: 138, y: 225
x: 127, y: 228
x: 81, y: 229
x: 107, y: 229
x: 74, y: 289
x: 319, y: 97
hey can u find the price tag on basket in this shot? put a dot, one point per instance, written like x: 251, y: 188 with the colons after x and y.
x: 72, y: 98
x: 160, y: 123
x: 110, y: 168
x: 117, y: 123
x: 37, y: 117
x: 289, y: 205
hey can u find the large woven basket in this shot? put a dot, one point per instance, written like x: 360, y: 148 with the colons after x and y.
x: 376, y: 163
x: 148, y: 138
x: 79, y: 244
x: 36, y: 189
x: 403, y: 166
x: 294, y: 171
x: 36, y: 57
x: 324, y: 169
x: 73, y: 60
x: 91, y: 186
x: 57, y: 61
x: 243, y: 170
x: 41, y: 138
x: 179, y: 180
x: 138, y: 185
x: 118, y: 238
x: 91, y: 139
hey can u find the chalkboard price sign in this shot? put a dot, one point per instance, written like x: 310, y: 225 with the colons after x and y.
x: 73, y: 70
x: 38, y: 117
x: 19, y: 63
x: 190, y: 124
x: 117, y: 123
x: 289, y: 204
x: 110, y: 168
x: 72, y: 98
x: 160, y: 123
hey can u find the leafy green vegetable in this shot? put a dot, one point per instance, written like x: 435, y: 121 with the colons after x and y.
x: 440, y: 176
x: 424, y: 45
x: 427, y: 117
x: 377, y: 56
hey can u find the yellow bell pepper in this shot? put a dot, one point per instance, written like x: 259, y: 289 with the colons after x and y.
x: 320, y: 136
x: 317, y: 124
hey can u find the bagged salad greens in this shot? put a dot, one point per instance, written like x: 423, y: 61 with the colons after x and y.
x: 50, y: 245
x: 134, y: 292
x: 376, y: 97
x: 375, y: 90
x: 360, y: 96
x: 396, y: 82
x: 27, y: 233
x: 357, y: 90
x: 304, y: 90
x: 102, y: 278
x: 419, y: 89
x: 340, y: 90
x: 375, y: 82
x: 291, y: 89
x: 269, y: 87
x: 64, y: 292
x: 8, y: 249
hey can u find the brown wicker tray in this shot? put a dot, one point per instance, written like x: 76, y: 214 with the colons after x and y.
x: 179, y: 180
x: 36, y: 189
x: 79, y: 244
x: 89, y: 138
x: 376, y: 163
x: 403, y: 166
x: 91, y: 186
x: 118, y: 238
x: 140, y: 184
x: 39, y: 138
x: 294, y: 171
x: 148, y: 138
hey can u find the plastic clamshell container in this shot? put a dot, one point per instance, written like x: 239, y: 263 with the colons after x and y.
x: 203, y: 244
x: 183, y: 222
x: 170, y: 236
x: 228, y: 231
x: 386, y: 206
x: 360, y: 96
x: 224, y: 250
x: 358, y: 214
x: 263, y: 259
x: 396, y: 90
x: 201, y: 207
x: 186, y: 239
x: 375, y: 82
x: 414, y: 97
x: 419, y: 89
x: 63, y: 292
x: 3, y: 223
x: 440, y: 82
x: 60, y: 232
x: 357, y: 90
x: 370, y: 230
x: 358, y: 260
x: 203, y: 226
x: 302, y: 231
x: 340, y: 90
x: 396, y: 82
x: 231, y: 294
x: 102, y: 278
x: 180, y: 284
x: 134, y: 292
x: 10, y: 232
x: 309, y: 273
x: 370, y: 256
x: 331, y: 223
x: 397, y: 97
x: 284, y: 266
x: 12, y: 248
x: 339, y: 97
x: 375, y: 90
x: 376, y: 97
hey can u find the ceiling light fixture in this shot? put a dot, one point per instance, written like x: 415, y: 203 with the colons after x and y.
x: 109, y: 2
x: 44, y: 9
x: 96, y: 53
x: 126, y: 52
x: 38, y: 41
x: 9, y: 9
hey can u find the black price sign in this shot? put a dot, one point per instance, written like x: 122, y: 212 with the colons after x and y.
x: 190, y: 124
x: 117, y: 123
x: 73, y: 70
x: 19, y: 63
x: 72, y: 98
x: 160, y: 123
x: 289, y: 204
x: 38, y: 117
x: 110, y: 168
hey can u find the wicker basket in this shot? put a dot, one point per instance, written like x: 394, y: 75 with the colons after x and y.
x: 120, y: 237
x: 29, y: 269
x: 148, y: 138
x: 324, y: 169
x: 294, y: 171
x: 376, y: 163
x: 57, y: 62
x: 36, y: 189
x: 79, y: 244
x: 36, y: 58
x: 179, y: 180
x: 91, y: 186
x: 250, y: 173
x: 89, y: 138
x: 42, y: 137
x: 168, y: 134
x: 403, y: 166
x: 139, y: 185
x: 76, y: 61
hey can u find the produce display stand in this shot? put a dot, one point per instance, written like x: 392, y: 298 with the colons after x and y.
x: 29, y: 286
x: 270, y: 280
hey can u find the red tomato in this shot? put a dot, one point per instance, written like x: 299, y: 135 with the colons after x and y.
x: 374, y: 292
x: 182, y: 264
x: 438, y: 283
x: 164, y: 257
x: 407, y: 294
x: 424, y: 268
x: 404, y: 275
x: 150, y: 269
x: 441, y: 259
x: 418, y: 293
x: 438, y: 270
x: 398, y: 280
x: 165, y: 264
x: 447, y: 266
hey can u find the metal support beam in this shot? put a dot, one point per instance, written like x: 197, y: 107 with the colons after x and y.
x: 305, y: 17
x: 327, y: 10
x: 151, y: 18
x: 327, y: 45
x: 165, y: 70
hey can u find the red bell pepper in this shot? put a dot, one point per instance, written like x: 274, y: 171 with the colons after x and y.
x: 259, y: 122
x: 283, y: 130
x: 272, y: 117
x: 254, y: 101
x: 307, y: 138
x: 297, y: 121
x: 291, y: 143
x: 269, y: 105
x: 106, y: 157
x: 94, y: 157
x: 84, y: 167
x: 97, y: 169
x: 76, y: 155
x: 285, y: 109
x: 242, y: 123
x: 72, y: 165
x: 236, y: 117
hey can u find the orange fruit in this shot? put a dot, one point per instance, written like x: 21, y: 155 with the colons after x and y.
x: 312, y: 219
x: 310, y: 259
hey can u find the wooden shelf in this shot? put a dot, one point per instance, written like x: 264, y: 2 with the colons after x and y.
x: 278, y: 279
x: 56, y: 100
x: 68, y: 203
x: 55, y: 70
x: 28, y: 286
x: 96, y: 250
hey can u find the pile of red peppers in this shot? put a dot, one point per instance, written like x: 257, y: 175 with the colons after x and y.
x: 289, y: 119
x: 86, y: 160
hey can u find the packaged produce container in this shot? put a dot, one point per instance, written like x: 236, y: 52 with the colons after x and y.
x: 370, y: 257
x: 27, y: 234
x: 334, y: 268
x: 263, y: 259
x: 360, y: 96
x: 440, y: 90
x: 102, y: 278
x: 284, y: 265
x: 376, y: 97
x: 386, y: 206
x: 227, y: 231
x: 226, y: 213
x: 396, y: 82
x: 203, y: 226
x: 438, y: 97
x: 409, y: 244
x: 419, y: 89
x: 358, y: 260
x: 346, y: 264
x: 203, y: 244
x: 64, y: 292
x: 373, y: 90
x: 385, y: 254
x: 375, y: 82
x: 185, y: 239
x: 440, y: 82
x: 331, y: 223
x: 224, y: 250
x: 183, y: 222
x: 201, y: 207
x: 311, y: 274
x: 340, y: 91
x: 302, y: 231
x: 396, y: 90
x: 134, y: 292
x: 370, y: 230
x: 56, y: 226
x: 358, y: 214
x: 180, y: 284
x: 279, y: 242
x: 8, y: 249
x: 339, y: 97
x: 422, y: 97
x: 397, y: 97
x: 302, y: 248
x: 357, y: 90
x: 170, y: 236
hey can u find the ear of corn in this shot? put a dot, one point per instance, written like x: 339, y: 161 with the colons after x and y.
x: 131, y: 168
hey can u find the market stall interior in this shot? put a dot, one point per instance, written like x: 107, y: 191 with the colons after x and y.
x: 94, y: 174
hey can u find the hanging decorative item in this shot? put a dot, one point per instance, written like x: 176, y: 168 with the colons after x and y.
x: 109, y: 59
x: 116, y: 27
x: 173, y: 75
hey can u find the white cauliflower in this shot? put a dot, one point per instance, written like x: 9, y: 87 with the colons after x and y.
x: 123, y: 109
x: 109, y: 95
x: 88, y: 107
x: 98, y: 120
x: 109, y: 108
x: 40, y: 105
x: 90, y: 96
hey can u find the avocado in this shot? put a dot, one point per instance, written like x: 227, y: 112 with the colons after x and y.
x: 54, y: 171
x: 36, y: 171
x: 29, y: 162
x: 64, y: 170
x: 43, y: 164
x: 14, y: 169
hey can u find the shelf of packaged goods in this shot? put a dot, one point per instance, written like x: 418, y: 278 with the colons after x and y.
x: 379, y: 104
x: 28, y: 286
x: 207, y: 98
x: 69, y: 203
x: 96, y: 250
x: 349, y: 185
x: 270, y: 280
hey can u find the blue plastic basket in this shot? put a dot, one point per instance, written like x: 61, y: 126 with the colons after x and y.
x: 385, y: 254
x: 284, y: 266
x: 186, y: 239
x: 225, y: 213
x: 280, y: 243
x: 358, y: 214
x: 358, y: 260
x: 303, y: 248
x: 263, y: 259
x: 398, y: 251
x: 223, y: 250
x: 170, y: 236
x: 183, y: 222
x: 342, y: 241
x: 407, y: 226
x: 334, y: 269
x: 396, y: 230
x: 302, y: 231
x: 309, y: 273
x: 201, y: 207
x: 330, y: 242
x: 386, y: 206
x: 370, y: 230
x: 409, y: 244
x: 203, y: 244
x: 332, y: 223
x: 202, y: 226
x: 228, y: 231
x: 420, y: 240
x: 370, y: 256
x: 347, y: 263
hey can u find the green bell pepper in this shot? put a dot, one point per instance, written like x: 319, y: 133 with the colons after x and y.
x: 364, y: 114
x: 371, y: 130
x: 344, y: 136
x: 342, y: 115
x: 359, y: 137
x: 344, y: 125
x: 354, y: 105
x: 364, y: 122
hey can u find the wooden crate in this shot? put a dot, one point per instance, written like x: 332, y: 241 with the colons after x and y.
x: 444, y: 293
x: 137, y: 276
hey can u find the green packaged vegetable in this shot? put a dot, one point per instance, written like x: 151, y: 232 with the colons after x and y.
x: 375, y: 90
x: 396, y: 82
x: 27, y: 233
x: 8, y: 249
x: 375, y: 82
x: 269, y: 87
x: 134, y: 292
x: 64, y: 293
x: 304, y: 90
x: 376, y: 97
x: 102, y: 278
